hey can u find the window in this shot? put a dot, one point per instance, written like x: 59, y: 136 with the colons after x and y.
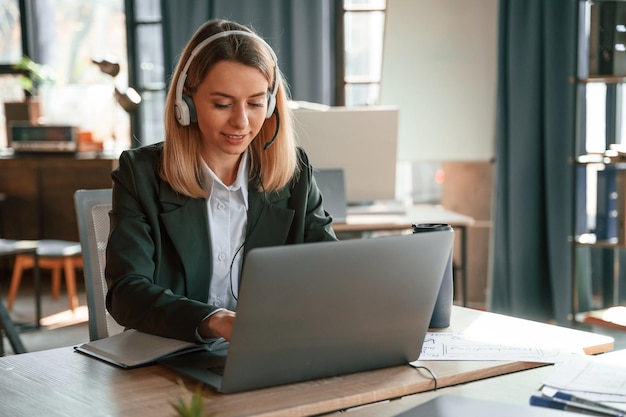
x: 10, y: 32
x: 10, y: 54
x: 67, y: 36
x: 148, y: 70
x: 364, y: 24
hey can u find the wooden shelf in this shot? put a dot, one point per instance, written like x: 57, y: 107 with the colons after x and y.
x: 589, y: 239
x: 607, y: 158
x: 607, y: 79
x: 614, y: 317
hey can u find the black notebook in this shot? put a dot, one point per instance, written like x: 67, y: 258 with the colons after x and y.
x: 132, y: 348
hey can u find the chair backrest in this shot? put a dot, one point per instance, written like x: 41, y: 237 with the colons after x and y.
x: 92, y: 215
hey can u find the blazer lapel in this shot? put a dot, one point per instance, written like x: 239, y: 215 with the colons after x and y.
x: 185, y: 220
x: 268, y: 220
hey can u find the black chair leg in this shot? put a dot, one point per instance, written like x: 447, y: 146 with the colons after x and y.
x: 9, y: 330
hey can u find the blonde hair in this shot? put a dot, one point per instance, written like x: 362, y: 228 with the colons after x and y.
x: 270, y: 169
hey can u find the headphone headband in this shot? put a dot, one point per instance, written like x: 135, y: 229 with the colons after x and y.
x: 183, y: 103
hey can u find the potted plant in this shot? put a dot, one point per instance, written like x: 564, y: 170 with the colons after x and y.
x: 32, y: 77
x: 191, y: 404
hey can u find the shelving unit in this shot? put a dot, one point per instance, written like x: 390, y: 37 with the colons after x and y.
x: 594, y: 163
x: 610, y: 312
x: 600, y: 61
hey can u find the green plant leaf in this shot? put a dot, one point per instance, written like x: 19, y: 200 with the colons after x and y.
x: 33, y: 75
x: 195, y: 404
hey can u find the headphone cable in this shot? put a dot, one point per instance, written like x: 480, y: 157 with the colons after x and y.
x: 268, y: 144
x: 256, y: 222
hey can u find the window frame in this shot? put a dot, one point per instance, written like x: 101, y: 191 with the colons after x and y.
x: 25, y: 41
x: 343, y: 81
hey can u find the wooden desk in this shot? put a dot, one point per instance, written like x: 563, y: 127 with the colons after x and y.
x: 421, y: 213
x: 62, y: 382
x: 514, y: 388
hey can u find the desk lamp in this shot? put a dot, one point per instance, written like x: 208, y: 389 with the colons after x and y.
x: 128, y: 100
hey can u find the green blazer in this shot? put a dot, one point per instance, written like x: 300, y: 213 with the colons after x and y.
x: 158, y: 257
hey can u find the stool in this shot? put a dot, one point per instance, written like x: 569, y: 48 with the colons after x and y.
x: 55, y: 255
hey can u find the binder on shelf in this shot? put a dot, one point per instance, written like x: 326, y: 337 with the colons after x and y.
x: 620, y: 187
x: 606, y: 204
x: 580, y: 205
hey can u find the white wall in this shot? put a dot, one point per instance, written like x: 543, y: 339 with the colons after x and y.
x: 439, y: 68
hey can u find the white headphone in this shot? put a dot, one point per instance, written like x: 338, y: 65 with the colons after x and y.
x: 184, y: 108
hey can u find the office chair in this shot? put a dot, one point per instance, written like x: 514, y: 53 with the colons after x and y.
x: 54, y: 255
x: 92, y: 215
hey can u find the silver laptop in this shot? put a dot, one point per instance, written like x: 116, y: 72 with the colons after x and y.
x: 332, y: 185
x: 324, y: 309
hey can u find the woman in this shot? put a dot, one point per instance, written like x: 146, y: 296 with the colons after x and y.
x: 228, y: 178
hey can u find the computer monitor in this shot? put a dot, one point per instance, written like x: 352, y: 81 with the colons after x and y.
x: 360, y: 140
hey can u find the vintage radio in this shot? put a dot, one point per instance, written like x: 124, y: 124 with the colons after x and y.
x: 26, y: 137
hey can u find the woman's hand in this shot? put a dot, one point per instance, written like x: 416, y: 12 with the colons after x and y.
x: 219, y: 324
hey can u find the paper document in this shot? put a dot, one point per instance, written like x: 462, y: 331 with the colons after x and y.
x: 600, y: 378
x: 458, y: 346
x: 603, y: 374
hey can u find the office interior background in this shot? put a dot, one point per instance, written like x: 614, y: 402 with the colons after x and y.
x: 488, y: 112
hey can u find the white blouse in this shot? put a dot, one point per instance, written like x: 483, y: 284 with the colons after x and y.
x: 227, y: 208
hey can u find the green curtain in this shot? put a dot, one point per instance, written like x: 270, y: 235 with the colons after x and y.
x: 302, y: 33
x: 533, y: 214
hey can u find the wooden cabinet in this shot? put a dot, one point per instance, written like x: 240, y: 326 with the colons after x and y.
x: 39, y: 192
x: 468, y: 189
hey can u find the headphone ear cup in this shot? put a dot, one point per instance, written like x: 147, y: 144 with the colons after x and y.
x: 271, y: 105
x: 191, y: 108
x: 182, y: 112
x: 185, y: 111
